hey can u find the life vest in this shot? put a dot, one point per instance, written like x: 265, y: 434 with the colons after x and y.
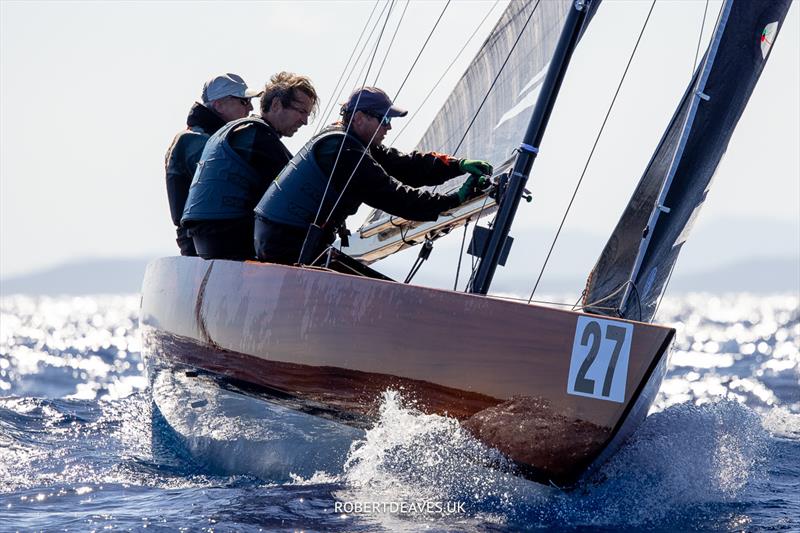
x: 224, y: 184
x: 295, y: 196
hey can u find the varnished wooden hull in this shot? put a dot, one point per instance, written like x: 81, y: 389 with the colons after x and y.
x: 332, y: 343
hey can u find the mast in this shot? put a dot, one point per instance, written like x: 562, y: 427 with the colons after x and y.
x: 490, y: 256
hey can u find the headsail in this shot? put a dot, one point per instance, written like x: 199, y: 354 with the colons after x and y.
x: 646, y: 241
x: 503, y: 117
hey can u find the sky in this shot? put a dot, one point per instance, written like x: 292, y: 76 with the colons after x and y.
x: 92, y: 93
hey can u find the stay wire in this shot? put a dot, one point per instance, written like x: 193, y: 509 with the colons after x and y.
x: 391, y: 42
x: 338, y: 95
x: 699, y: 40
x: 366, y: 149
x: 333, y: 98
x: 347, y: 130
x: 591, y: 153
x: 461, y: 255
x: 502, y: 67
x: 453, y: 62
x: 430, y: 92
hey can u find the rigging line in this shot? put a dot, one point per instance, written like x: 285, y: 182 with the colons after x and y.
x: 453, y: 62
x: 664, y: 290
x: 699, y: 39
x: 347, y: 130
x: 502, y: 67
x: 460, y: 256
x: 594, y: 146
x: 419, y: 54
x: 352, y: 53
x: 338, y: 96
x: 391, y: 42
x: 366, y: 149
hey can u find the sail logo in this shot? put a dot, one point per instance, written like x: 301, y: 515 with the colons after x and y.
x: 598, y: 367
x: 768, y: 37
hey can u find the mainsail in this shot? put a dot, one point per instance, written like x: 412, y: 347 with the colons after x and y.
x: 516, y: 54
x: 646, y: 242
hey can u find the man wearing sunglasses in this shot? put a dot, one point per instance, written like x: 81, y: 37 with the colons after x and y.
x: 225, y: 98
x: 347, y: 165
x: 239, y: 163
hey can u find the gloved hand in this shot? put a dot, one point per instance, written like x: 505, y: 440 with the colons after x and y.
x: 472, y: 187
x: 475, y: 166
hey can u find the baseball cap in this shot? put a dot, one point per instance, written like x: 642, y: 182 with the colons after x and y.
x: 372, y: 99
x: 227, y: 85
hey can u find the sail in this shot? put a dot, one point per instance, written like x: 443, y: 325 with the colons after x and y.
x: 656, y: 222
x: 517, y: 53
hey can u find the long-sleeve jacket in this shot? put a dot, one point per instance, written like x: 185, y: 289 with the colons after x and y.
x: 183, y: 155
x: 386, y: 179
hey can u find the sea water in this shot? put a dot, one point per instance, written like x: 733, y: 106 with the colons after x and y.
x: 80, y: 449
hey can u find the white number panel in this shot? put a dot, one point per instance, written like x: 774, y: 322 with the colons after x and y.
x: 598, y: 367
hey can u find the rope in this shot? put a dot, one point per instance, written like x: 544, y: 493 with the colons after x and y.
x: 699, y: 39
x: 347, y: 130
x: 366, y: 149
x: 460, y: 255
x: 391, y: 42
x: 594, y: 146
x: 321, y: 117
x: 453, y: 62
x: 503, y: 66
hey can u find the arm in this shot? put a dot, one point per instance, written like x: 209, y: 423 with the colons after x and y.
x: 374, y: 186
x: 417, y: 169
x: 181, y: 162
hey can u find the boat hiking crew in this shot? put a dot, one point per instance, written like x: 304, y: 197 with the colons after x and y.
x: 225, y: 98
x: 346, y: 165
x: 238, y: 164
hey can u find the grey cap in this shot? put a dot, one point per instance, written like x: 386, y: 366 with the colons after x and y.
x: 227, y: 85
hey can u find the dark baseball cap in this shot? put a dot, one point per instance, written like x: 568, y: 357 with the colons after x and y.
x: 372, y: 100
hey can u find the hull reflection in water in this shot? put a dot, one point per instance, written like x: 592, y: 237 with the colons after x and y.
x: 233, y: 431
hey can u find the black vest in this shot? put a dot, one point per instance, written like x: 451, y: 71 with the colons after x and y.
x: 295, y: 196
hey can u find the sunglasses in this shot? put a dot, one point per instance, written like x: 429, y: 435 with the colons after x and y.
x: 302, y: 111
x: 385, y: 121
x: 244, y: 101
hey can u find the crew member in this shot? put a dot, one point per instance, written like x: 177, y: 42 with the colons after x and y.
x: 348, y: 164
x: 225, y: 98
x: 238, y: 164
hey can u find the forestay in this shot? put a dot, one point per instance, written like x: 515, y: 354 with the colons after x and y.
x: 503, y: 117
x: 648, y: 237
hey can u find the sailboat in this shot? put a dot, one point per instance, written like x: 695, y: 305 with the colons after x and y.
x: 556, y: 391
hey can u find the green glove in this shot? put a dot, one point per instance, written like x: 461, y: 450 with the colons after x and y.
x: 472, y: 187
x: 475, y: 166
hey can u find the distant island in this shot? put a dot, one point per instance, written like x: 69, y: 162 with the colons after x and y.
x: 119, y: 276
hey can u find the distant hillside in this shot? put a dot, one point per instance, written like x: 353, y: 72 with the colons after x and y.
x: 114, y: 276
x: 98, y: 276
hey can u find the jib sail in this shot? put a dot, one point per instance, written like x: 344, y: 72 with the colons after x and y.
x: 634, y: 267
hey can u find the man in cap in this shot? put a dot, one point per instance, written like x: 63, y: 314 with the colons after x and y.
x: 225, y: 98
x: 238, y: 164
x: 347, y: 165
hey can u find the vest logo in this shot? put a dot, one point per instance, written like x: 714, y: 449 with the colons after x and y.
x: 768, y: 37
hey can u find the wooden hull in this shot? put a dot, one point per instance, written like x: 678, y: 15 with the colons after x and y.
x: 515, y: 375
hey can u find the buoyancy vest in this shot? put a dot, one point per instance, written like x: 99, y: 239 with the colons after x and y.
x: 295, y: 196
x: 224, y: 184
